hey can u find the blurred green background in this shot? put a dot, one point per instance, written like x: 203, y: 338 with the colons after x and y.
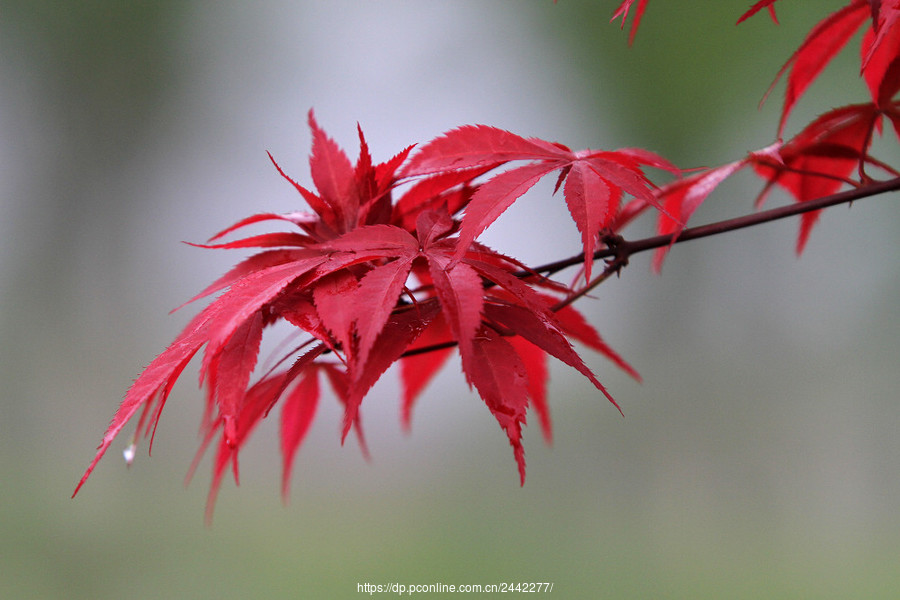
x: 759, y: 458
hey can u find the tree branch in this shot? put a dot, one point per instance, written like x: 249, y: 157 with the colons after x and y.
x: 624, y: 249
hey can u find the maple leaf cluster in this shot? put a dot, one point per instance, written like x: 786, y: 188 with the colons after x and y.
x: 828, y: 153
x: 387, y: 267
x: 372, y: 279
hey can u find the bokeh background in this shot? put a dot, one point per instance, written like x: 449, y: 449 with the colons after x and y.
x: 759, y: 458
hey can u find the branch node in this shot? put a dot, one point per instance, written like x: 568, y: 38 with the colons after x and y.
x: 619, y: 250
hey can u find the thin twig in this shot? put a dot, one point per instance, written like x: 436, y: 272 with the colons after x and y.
x: 629, y: 248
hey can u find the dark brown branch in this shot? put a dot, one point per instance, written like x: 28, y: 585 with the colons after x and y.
x: 624, y: 248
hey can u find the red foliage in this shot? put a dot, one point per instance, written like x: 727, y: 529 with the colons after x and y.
x: 623, y: 10
x: 824, y: 155
x: 387, y: 268
x: 364, y: 277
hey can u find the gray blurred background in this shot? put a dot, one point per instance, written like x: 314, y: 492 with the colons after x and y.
x: 759, y: 458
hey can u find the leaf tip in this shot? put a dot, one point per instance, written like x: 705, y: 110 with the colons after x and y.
x: 519, y: 452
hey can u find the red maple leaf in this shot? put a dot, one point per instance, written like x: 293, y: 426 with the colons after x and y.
x: 623, y: 10
x: 370, y: 281
x: 817, y: 162
x: 594, y: 180
x: 823, y: 157
x: 880, y: 50
x: 821, y: 45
